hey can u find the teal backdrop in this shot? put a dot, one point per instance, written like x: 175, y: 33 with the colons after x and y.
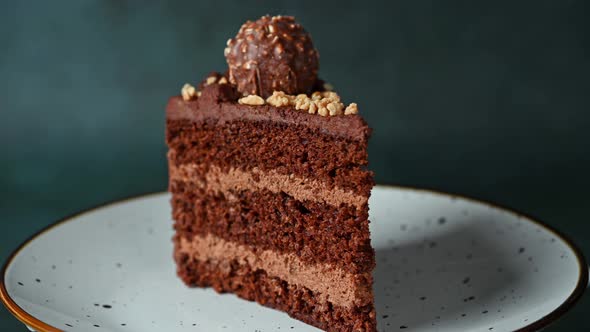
x: 489, y: 99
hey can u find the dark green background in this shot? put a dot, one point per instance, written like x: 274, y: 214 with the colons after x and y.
x: 488, y: 99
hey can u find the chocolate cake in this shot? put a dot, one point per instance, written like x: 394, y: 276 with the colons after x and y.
x: 269, y: 182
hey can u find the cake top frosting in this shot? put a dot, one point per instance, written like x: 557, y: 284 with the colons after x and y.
x: 272, y: 54
x: 215, y: 99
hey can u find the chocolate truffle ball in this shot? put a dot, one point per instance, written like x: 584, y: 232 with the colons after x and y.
x: 272, y: 54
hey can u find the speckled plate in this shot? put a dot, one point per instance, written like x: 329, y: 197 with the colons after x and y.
x: 444, y: 263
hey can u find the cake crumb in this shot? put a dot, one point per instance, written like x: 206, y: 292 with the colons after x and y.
x: 210, y: 80
x: 222, y: 80
x: 251, y: 100
x: 188, y: 92
x: 351, y: 109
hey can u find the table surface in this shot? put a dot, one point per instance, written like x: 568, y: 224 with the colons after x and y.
x: 486, y: 100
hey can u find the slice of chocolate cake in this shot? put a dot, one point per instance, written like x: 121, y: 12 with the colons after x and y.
x: 269, y: 183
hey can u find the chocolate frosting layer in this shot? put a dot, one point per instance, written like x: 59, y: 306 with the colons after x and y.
x: 218, y: 104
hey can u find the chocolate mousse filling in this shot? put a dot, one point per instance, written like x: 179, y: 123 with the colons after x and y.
x: 330, y: 283
x: 303, y: 189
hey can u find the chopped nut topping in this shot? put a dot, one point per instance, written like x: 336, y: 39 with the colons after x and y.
x: 331, y: 95
x: 313, y: 108
x: 322, y: 103
x: 325, y: 103
x: 302, y: 102
x: 279, y: 99
x: 211, y: 80
x: 351, y: 109
x: 328, y: 103
x: 329, y: 106
x: 251, y: 100
x: 316, y: 95
x: 335, y: 108
x: 188, y: 92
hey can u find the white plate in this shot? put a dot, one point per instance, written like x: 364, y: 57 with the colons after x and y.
x: 444, y: 263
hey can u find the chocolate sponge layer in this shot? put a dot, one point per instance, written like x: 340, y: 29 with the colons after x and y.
x: 266, y: 145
